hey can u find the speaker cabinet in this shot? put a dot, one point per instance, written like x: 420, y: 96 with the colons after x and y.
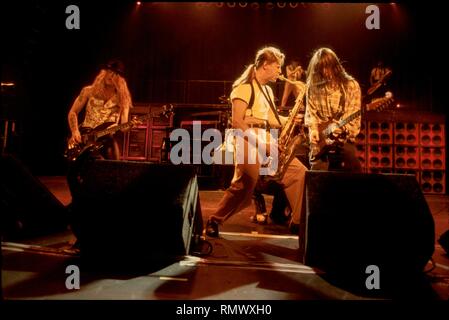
x: 27, y: 207
x: 145, y: 141
x: 405, y: 143
x: 357, y: 220
x: 131, y: 214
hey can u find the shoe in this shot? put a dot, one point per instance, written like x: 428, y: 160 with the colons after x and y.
x: 260, y: 218
x: 294, y: 228
x: 278, y: 218
x: 212, y: 229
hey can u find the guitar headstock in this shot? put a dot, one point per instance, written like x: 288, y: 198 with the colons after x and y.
x: 381, y: 104
x: 167, y: 110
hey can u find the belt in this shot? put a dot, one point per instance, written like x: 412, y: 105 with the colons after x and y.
x: 258, y: 125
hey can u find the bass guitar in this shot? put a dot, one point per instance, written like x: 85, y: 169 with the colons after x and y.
x: 91, y: 139
x: 328, y: 139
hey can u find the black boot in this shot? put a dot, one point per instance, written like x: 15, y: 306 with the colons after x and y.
x: 212, y: 229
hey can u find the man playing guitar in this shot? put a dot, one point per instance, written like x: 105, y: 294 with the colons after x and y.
x: 332, y: 95
x: 107, y: 102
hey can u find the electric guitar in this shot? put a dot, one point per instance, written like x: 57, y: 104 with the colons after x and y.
x: 91, y: 138
x: 328, y: 139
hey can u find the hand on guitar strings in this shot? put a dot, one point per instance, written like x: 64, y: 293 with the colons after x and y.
x: 337, y: 131
x: 75, y: 138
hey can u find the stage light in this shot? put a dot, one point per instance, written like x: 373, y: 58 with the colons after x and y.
x: 243, y: 4
x: 138, y: 3
x: 281, y: 5
x: 255, y: 5
x: 8, y: 84
x: 270, y: 5
x: 293, y: 5
x: 231, y: 4
x: 219, y: 4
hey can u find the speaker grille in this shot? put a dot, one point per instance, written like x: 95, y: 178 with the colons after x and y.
x: 405, y: 144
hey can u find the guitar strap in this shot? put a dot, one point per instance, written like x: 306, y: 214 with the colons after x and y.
x: 342, y: 103
x: 251, y: 99
x: 268, y: 98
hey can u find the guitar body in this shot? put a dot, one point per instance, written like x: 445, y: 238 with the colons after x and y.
x: 89, y: 142
x: 326, y: 142
x: 93, y: 139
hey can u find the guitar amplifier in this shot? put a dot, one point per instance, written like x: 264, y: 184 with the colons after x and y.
x: 145, y: 141
x: 137, y: 143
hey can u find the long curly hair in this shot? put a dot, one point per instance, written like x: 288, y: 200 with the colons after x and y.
x: 123, y: 94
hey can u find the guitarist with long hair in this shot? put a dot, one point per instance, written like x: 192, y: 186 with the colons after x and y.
x: 107, y: 102
x: 333, y: 96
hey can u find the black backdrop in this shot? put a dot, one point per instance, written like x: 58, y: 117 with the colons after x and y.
x: 185, y: 41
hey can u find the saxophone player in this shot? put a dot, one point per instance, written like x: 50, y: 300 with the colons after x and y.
x: 253, y: 110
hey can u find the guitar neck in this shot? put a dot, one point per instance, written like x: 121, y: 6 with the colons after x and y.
x: 114, y: 129
x: 342, y: 123
x: 350, y: 118
x: 129, y: 124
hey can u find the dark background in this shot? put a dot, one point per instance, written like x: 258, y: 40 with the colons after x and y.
x: 196, y: 41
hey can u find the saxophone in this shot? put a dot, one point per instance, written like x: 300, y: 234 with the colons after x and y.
x: 291, y: 135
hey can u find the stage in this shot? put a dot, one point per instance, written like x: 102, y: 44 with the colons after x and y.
x: 248, y: 262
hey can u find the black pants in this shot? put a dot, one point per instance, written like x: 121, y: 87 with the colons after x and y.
x: 280, y: 201
x: 338, y: 158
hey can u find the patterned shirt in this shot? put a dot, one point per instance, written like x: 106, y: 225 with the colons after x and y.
x: 325, y: 107
x: 98, y: 112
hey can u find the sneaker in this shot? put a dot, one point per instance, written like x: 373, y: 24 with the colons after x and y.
x: 260, y: 218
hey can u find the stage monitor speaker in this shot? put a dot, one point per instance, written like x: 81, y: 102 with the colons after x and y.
x: 27, y: 207
x: 354, y: 221
x: 130, y: 215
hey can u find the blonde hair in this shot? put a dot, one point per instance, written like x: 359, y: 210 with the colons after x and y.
x: 266, y: 54
x: 123, y: 94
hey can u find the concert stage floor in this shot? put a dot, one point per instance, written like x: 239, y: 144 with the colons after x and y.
x: 248, y: 262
